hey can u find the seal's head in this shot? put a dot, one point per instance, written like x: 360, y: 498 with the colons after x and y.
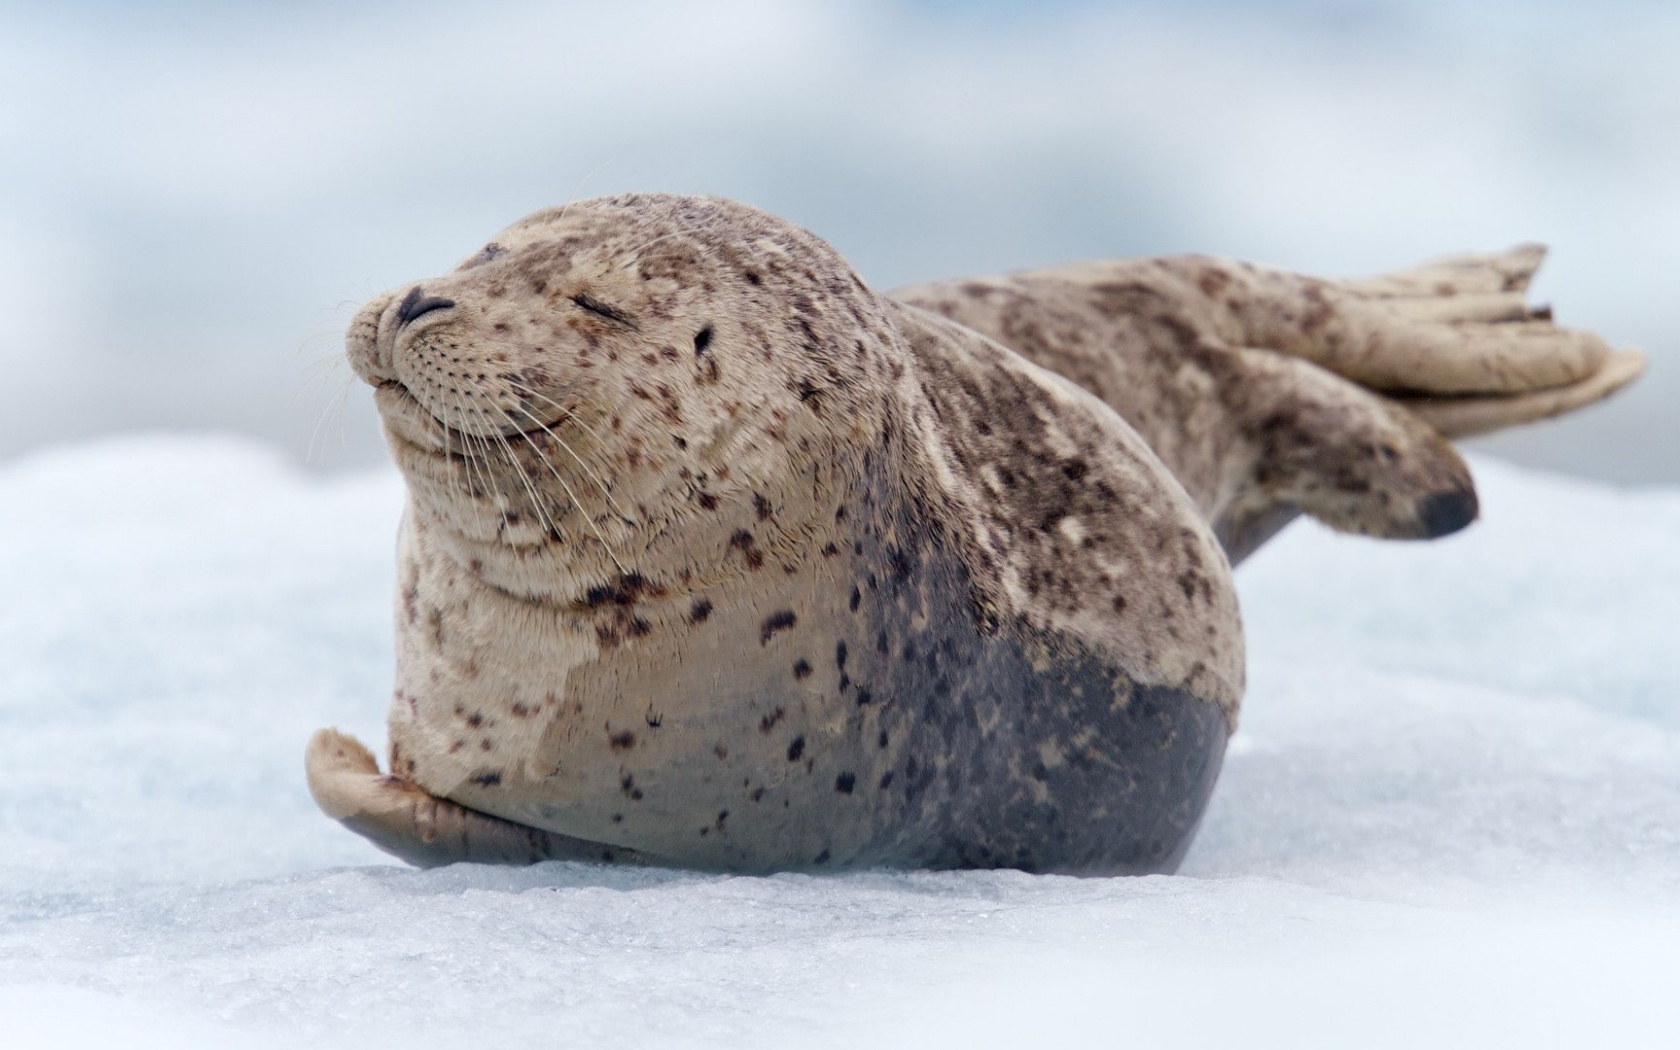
x: 601, y: 369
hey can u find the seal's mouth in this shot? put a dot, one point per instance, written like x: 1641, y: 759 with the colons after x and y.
x: 420, y: 424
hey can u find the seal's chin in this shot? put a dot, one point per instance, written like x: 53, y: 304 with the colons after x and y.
x: 406, y: 418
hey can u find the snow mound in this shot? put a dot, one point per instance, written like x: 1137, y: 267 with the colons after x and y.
x: 1451, y: 816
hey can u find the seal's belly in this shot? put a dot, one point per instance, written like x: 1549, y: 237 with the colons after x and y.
x: 868, y: 716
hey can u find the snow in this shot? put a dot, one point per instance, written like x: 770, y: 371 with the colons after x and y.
x: 1451, y: 816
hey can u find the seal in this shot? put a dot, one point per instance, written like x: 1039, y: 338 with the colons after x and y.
x: 714, y: 557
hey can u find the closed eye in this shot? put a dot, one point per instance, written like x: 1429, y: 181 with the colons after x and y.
x: 600, y: 309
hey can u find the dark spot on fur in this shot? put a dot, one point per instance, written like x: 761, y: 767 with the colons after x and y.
x: 743, y: 541
x: 769, y: 721
x: 796, y: 749
x: 702, y: 340
x: 822, y: 858
x: 840, y: 654
x: 857, y: 596
x: 1212, y: 282
x: 801, y: 669
x: 622, y: 741
x: 899, y: 562
x: 761, y: 507
x: 865, y: 697
x: 886, y: 780
x: 701, y: 609
x: 487, y: 779
x: 775, y: 622
x: 843, y: 783
x: 488, y: 252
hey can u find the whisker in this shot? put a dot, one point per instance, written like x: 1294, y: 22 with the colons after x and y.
x: 503, y: 503
x: 566, y: 412
x: 581, y: 183
x: 633, y: 257
x: 588, y: 518
x: 547, y: 521
x: 587, y: 469
x: 472, y: 457
x: 334, y: 407
x: 453, y: 467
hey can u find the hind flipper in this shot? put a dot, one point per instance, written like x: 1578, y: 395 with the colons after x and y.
x: 1469, y: 415
x: 407, y: 822
x: 1467, y: 275
x: 1460, y: 326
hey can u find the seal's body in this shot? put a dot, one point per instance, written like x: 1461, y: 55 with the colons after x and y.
x: 714, y: 557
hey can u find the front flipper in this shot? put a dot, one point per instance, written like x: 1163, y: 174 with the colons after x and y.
x: 407, y: 822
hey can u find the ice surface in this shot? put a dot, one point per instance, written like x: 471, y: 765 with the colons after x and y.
x: 1451, y: 816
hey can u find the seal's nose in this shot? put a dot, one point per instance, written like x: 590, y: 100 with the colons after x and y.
x: 417, y: 304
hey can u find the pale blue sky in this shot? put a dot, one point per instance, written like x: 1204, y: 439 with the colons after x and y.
x: 194, y: 199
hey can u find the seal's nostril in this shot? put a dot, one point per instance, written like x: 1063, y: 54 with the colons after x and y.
x: 415, y: 305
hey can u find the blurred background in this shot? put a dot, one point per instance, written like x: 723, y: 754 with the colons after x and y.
x: 194, y: 197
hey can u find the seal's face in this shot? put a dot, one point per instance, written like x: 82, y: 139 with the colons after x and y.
x: 598, y: 370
